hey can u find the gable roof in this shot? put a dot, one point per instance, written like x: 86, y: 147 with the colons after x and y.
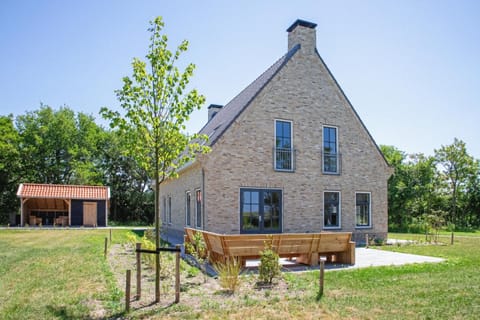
x: 34, y: 190
x: 353, y: 109
x: 227, y: 115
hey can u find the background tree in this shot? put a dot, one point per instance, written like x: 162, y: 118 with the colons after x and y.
x: 156, y: 106
x: 471, y: 198
x: 60, y: 147
x: 458, y: 169
x: 411, y: 189
x: 398, y: 193
x: 9, y: 168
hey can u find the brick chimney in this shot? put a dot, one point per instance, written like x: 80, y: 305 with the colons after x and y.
x: 212, y: 110
x: 302, y: 32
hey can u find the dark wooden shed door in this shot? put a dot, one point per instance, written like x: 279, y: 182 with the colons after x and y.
x: 89, y: 213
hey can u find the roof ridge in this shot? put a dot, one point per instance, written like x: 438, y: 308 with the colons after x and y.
x: 61, y: 185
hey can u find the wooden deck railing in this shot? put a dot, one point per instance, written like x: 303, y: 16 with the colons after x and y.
x: 305, y: 247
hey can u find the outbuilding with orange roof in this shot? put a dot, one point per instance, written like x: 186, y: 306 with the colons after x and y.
x: 63, y: 205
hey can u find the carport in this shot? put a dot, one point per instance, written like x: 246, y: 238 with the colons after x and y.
x: 63, y: 205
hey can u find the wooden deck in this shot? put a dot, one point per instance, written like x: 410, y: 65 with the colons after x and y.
x: 305, y: 247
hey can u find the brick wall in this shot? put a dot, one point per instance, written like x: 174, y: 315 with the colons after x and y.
x: 302, y: 92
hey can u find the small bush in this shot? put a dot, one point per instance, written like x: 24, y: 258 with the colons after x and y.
x: 148, y: 258
x: 132, y: 239
x: 198, y: 250
x: 228, y: 274
x: 269, y: 267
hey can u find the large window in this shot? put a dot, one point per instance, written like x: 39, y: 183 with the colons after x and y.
x: 198, y: 208
x: 283, y: 153
x: 362, y: 216
x: 260, y: 211
x: 331, y: 210
x: 330, y: 150
x: 188, y: 211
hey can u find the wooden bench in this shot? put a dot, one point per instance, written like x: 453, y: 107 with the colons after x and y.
x: 305, y: 247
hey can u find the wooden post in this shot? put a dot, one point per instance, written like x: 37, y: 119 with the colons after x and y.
x: 157, y: 277
x: 451, y: 239
x: 127, y: 291
x: 106, y: 244
x: 322, y: 273
x: 177, y: 274
x: 366, y: 240
x: 139, y: 271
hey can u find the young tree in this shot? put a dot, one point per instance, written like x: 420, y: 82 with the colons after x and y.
x: 157, y: 105
x: 131, y: 192
x: 458, y: 167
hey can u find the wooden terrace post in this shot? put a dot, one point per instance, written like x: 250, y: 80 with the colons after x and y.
x: 127, y: 291
x: 177, y: 274
x: 322, y: 274
x: 106, y: 244
x: 366, y: 240
x: 139, y: 270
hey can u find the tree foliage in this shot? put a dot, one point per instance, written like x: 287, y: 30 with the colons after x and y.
x: 9, y: 167
x: 445, y: 187
x: 131, y: 194
x: 59, y: 146
x: 156, y: 105
x: 458, y: 170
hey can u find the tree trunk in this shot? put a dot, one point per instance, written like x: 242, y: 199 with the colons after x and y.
x: 157, y: 238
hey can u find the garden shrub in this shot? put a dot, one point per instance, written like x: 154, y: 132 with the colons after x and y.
x: 269, y: 267
x: 228, y: 274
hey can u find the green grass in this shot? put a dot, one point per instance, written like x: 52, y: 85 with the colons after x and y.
x: 61, y: 274
x: 448, y: 290
x: 56, y: 274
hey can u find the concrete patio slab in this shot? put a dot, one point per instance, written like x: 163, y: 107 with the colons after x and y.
x: 364, y: 258
x: 375, y: 258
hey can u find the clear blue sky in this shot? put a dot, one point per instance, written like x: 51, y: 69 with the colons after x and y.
x: 410, y: 68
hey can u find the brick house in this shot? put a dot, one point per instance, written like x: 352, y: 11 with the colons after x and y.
x: 288, y: 154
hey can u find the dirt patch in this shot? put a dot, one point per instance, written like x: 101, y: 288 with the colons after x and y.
x: 198, y: 292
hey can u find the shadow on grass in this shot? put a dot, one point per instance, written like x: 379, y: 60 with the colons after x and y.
x: 319, y: 296
x: 62, y: 312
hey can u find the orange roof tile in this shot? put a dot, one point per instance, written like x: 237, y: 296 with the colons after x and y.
x: 33, y: 190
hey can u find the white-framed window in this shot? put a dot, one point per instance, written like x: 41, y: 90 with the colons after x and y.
x: 283, y: 153
x: 330, y: 155
x: 332, y: 216
x: 363, y: 215
x: 169, y: 209
x: 188, y: 209
x: 198, y: 208
x: 164, y: 209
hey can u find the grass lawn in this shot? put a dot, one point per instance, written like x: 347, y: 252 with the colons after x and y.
x: 53, y: 274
